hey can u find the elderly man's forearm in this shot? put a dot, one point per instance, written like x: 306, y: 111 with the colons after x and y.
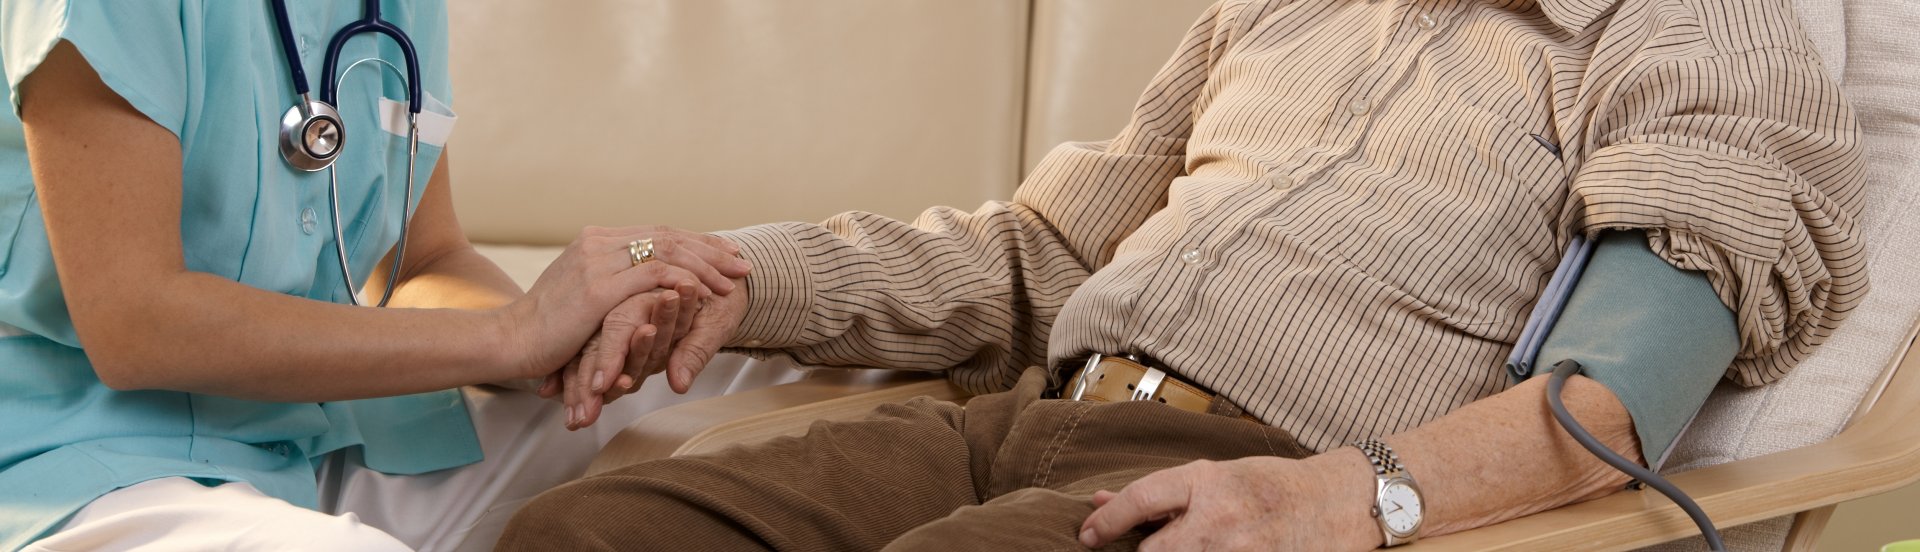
x: 1504, y: 456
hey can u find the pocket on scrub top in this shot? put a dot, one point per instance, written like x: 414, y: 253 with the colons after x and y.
x: 436, y: 120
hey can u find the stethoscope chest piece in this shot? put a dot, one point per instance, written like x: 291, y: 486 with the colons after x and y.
x: 311, y: 135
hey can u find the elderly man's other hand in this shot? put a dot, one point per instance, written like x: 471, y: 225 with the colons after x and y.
x: 1261, y: 503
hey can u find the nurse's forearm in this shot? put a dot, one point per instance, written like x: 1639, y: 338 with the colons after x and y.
x: 201, y: 333
x: 108, y: 183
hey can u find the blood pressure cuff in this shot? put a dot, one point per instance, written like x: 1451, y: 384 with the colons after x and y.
x: 1656, y: 336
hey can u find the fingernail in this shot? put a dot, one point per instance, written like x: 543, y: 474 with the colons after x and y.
x: 573, y: 415
x: 599, y: 381
x: 1086, y: 538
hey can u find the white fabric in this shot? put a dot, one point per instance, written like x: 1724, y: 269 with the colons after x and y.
x: 177, y: 514
x: 527, y: 449
x: 1871, y: 46
x: 436, y: 120
x: 523, y: 263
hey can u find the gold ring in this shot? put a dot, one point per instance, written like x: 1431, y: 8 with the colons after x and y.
x: 641, y: 250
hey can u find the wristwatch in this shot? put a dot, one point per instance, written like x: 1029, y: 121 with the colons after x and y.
x: 1396, y: 498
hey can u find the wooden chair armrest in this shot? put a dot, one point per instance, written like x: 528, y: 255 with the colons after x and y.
x: 761, y: 414
x: 1879, y: 452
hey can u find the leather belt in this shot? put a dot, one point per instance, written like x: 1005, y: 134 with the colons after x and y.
x: 1113, y: 379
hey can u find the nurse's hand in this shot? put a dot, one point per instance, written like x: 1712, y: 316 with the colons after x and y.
x: 567, y: 305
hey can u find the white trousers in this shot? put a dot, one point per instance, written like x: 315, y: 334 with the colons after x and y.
x: 527, y: 447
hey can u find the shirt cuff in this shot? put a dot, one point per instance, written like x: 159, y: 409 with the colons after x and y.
x: 780, y: 288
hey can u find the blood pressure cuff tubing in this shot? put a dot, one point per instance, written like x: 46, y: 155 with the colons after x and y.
x: 1656, y: 336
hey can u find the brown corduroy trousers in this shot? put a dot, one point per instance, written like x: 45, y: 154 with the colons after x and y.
x: 1008, y: 472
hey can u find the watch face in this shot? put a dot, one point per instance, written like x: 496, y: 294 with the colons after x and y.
x: 1400, y: 508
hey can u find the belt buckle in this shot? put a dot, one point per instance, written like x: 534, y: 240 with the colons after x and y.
x: 1148, y: 385
x: 1144, y: 390
x: 1086, y: 375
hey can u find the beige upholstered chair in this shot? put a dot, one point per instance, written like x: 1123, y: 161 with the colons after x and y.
x: 711, y: 114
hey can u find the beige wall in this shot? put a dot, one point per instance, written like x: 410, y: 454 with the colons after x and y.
x: 1090, y: 61
x: 719, y: 113
x: 715, y: 114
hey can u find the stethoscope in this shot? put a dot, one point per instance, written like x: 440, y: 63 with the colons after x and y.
x: 312, y: 135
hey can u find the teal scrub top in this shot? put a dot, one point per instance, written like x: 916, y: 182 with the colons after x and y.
x: 213, y: 74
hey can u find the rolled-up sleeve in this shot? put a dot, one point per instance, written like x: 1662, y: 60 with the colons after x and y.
x: 1745, y: 166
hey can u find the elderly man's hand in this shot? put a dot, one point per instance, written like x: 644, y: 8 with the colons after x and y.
x: 674, y: 331
x: 1261, y: 503
x: 636, y: 338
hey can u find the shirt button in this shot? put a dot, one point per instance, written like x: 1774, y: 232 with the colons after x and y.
x: 1425, y: 21
x: 1280, y: 182
x: 1192, y: 256
x: 308, y: 221
x: 1358, y: 107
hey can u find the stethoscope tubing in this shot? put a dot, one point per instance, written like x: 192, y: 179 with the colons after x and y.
x: 406, y: 205
x: 370, y: 22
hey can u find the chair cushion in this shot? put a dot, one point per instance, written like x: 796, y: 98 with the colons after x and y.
x: 1870, y: 46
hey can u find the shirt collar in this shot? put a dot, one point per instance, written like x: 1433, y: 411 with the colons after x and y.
x: 1575, y: 15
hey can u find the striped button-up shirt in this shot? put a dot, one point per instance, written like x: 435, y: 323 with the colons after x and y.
x: 1337, y: 213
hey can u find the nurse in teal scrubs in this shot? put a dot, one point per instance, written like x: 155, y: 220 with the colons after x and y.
x: 174, y: 347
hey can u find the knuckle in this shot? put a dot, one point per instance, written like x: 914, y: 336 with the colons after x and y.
x: 621, y: 319
x: 1134, y: 497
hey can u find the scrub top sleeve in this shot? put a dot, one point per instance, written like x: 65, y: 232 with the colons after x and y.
x: 1655, y: 335
x: 138, y: 48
